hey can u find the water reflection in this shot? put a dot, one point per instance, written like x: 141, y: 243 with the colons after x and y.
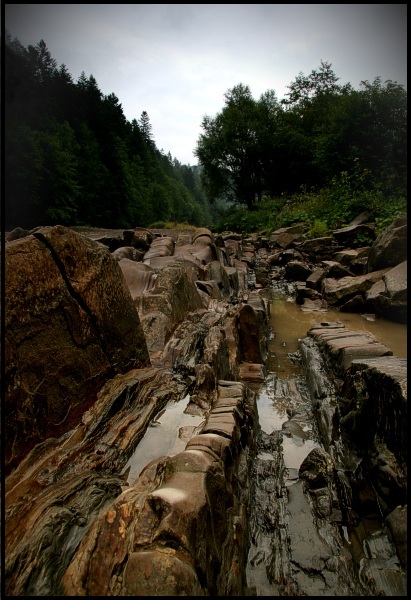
x: 168, y: 435
x: 284, y: 395
x: 289, y: 324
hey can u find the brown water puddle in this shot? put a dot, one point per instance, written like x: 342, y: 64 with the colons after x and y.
x: 284, y: 393
x: 289, y: 323
x: 167, y: 435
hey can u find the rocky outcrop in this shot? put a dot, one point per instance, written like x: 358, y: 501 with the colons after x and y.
x: 72, y: 480
x: 70, y: 326
x: 354, y: 235
x: 390, y: 247
x: 56, y: 493
x: 387, y: 298
x: 181, y: 528
x: 176, y: 504
x: 359, y: 395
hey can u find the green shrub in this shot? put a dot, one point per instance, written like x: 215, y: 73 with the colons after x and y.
x: 157, y: 225
x: 318, y: 229
x: 322, y: 210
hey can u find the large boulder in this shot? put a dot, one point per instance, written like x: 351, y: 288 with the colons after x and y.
x: 167, y: 302
x: 375, y: 410
x: 163, y: 246
x: 388, y: 297
x: 355, y: 235
x: 284, y: 237
x: 70, y: 326
x: 390, y: 247
x: 337, y: 292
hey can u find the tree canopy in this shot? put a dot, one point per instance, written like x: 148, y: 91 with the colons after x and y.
x: 71, y: 156
x: 257, y: 148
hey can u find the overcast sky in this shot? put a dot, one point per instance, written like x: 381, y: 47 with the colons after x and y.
x: 176, y: 61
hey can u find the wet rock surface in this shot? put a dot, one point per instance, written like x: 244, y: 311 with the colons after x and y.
x: 70, y: 326
x: 182, y: 319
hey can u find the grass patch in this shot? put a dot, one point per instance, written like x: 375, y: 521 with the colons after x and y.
x: 323, y: 211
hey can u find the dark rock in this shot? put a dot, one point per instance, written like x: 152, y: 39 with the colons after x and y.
x: 296, y: 270
x: 290, y: 255
x: 376, y: 388
x: 317, y: 469
x: 162, y: 246
x: 354, y: 304
x: 183, y: 521
x: 388, y: 298
x: 303, y: 292
x: 16, y: 234
x: 314, y: 280
x: 390, y: 247
x: 284, y: 237
x: 360, y: 219
x: 339, y: 291
x: 74, y: 328
x: 138, y: 238
x: 334, y: 269
x: 355, y: 235
x: 128, y: 252
x: 397, y: 524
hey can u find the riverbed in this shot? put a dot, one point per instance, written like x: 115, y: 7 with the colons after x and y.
x: 282, y: 393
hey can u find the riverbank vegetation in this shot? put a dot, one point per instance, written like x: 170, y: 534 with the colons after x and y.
x: 322, y: 155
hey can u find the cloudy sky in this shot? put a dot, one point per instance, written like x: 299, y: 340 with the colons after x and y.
x: 176, y: 61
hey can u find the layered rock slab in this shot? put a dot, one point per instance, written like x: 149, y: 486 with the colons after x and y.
x: 70, y: 326
x: 186, y: 513
x: 360, y: 403
x: 57, y: 492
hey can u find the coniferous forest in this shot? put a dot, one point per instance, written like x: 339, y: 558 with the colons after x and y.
x: 72, y: 158
x: 323, y: 154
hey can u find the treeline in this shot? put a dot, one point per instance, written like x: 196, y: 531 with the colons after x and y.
x: 71, y: 156
x: 321, y: 135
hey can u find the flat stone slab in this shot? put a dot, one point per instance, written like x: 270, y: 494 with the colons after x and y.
x: 341, y: 345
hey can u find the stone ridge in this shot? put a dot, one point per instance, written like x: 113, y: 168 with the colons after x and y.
x: 181, y: 528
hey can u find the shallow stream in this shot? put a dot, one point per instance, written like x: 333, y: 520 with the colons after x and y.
x: 283, y: 396
x: 283, y: 390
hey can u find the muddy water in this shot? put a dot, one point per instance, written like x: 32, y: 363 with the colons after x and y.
x: 167, y: 435
x: 284, y: 394
x: 289, y: 323
x: 284, y: 405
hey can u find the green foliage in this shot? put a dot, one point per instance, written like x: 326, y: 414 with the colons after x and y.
x: 73, y: 158
x: 319, y: 83
x: 387, y: 211
x: 232, y: 148
x: 318, y: 228
x: 239, y: 219
x: 349, y: 144
x: 322, y: 212
x: 322, y: 156
x: 157, y: 225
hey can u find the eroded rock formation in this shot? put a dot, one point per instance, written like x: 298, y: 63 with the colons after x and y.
x: 104, y: 335
x: 70, y: 326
